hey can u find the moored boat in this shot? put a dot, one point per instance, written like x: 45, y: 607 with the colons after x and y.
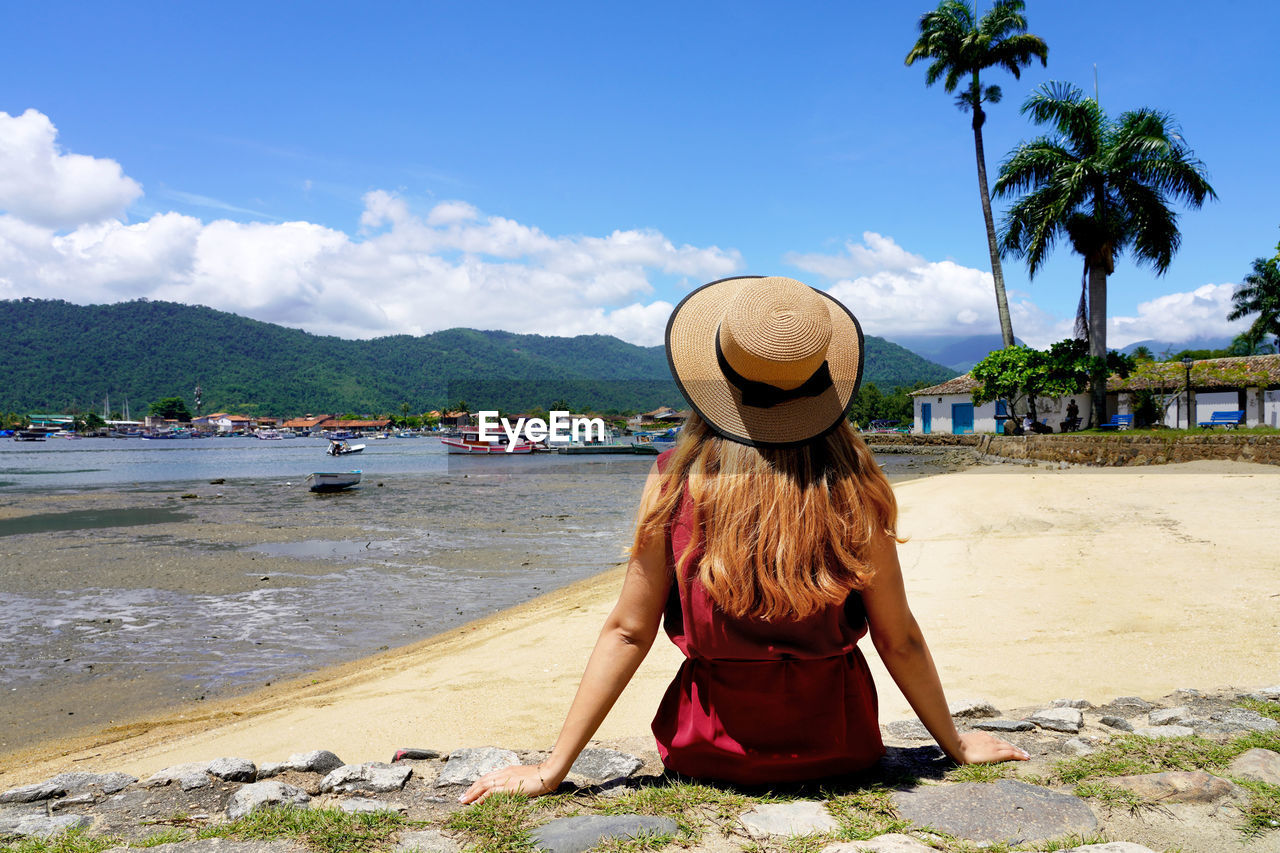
x: 332, y: 481
x: 341, y: 448
x: 469, y: 442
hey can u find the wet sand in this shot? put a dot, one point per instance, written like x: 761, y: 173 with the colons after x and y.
x: 1030, y: 584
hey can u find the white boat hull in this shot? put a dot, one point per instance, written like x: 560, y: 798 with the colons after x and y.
x: 332, y: 481
x: 457, y: 445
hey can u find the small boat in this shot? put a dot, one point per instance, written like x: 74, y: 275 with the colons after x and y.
x: 332, y: 481
x: 608, y: 443
x: 65, y: 433
x: 650, y: 443
x: 268, y: 435
x: 469, y: 442
x: 344, y: 435
x: 341, y: 448
x: 29, y: 435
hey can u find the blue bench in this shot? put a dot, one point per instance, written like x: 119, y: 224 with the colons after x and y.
x: 1231, y: 420
x: 1118, y: 422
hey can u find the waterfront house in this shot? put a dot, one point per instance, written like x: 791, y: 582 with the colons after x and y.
x: 1250, y: 384
x: 307, y: 425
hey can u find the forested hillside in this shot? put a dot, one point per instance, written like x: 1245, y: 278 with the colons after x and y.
x: 60, y: 356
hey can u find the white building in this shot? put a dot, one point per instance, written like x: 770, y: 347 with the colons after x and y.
x: 1250, y: 384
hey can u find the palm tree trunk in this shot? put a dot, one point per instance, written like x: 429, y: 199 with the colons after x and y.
x: 997, y: 273
x: 1098, y: 339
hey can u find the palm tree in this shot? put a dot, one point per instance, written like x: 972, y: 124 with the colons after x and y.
x: 1259, y: 294
x: 1104, y: 185
x: 961, y: 46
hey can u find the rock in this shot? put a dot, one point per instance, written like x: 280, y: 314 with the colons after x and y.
x: 1272, y: 693
x: 426, y: 841
x: 35, y: 793
x: 85, y: 799
x: 234, y: 769
x: 1111, y: 847
x: 1132, y: 702
x: 801, y: 817
x: 1004, y: 725
x: 272, y: 768
x: 1059, y: 719
x: 259, y: 794
x: 364, y: 805
x: 579, y: 834
x: 410, y: 753
x: 190, y: 776
x: 1164, y: 731
x: 1072, y: 703
x: 1177, y: 786
x: 39, y: 826
x: 81, y: 781
x: 1257, y: 765
x: 1079, y: 746
x: 1169, y: 716
x: 603, y: 765
x: 894, y: 842
x: 1188, y: 692
x: 1119, y: 723
x: 908, y: 730
x: 1210, y: 727
x: 467, y: 765
x: 1244, y: 719
x: 972, y: 708
x: 372, y: 776
x: 1003, y: 811
x: 316, y: 761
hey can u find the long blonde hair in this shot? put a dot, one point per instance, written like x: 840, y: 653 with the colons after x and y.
x: 785, y: 531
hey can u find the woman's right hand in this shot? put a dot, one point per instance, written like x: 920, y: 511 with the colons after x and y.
x: 982, y: 748
x: 524, y: 779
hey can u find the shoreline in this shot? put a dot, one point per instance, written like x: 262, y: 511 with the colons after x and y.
x: 1032, y: 640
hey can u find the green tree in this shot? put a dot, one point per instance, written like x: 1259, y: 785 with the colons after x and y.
x: 1019, y: 374
x: 961, y: 46
x: 1105, y: 186
x: 171, y: 408
x: 1259, y: 294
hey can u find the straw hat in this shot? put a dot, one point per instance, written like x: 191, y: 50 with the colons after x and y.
x: 765, y: 361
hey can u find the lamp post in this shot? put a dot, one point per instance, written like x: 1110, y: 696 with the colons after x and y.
x: 1186, y: 364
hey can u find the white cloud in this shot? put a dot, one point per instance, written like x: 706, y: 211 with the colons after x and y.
x: 43, y: 186
x: 896, y: 293
x: 1176, y: 317
x: 404, y: 273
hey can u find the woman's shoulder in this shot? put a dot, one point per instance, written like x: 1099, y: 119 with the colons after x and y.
x: 664, y: 457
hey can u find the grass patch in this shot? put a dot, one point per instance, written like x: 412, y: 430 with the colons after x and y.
x: 692, y: 806
x: 645, y: 841
x: 1113, y: 796
x: 1263, y: 707
x: 164, y: 836
x: 500, y: 824
x: 1134, y: 755
x: 1262, y: 812
x: 865, y: 814
x: 72, y: 841
x: 325, y: 830
x: 980, y: 772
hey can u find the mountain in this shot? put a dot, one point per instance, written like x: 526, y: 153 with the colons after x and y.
x: 957, y: 352
x: 1160, y: 348
x: 58, y: 355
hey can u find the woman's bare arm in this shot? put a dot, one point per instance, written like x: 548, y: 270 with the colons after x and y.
x: 624, y: 641
x: 901, y: 645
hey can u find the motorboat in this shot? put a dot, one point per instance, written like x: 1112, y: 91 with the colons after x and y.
x: 268, y: 435
x: 341, y: 448
x: 655, y: 443
x: 469, y: 441
x: 332, y: 481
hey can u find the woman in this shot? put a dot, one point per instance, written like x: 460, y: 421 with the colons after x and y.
x: 767, y: 545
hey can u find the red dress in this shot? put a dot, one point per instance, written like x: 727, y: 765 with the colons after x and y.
x: 757, y: 702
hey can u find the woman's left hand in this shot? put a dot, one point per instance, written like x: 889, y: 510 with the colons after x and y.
x: 526, y: 779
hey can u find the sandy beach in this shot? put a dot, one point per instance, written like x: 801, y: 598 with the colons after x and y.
x: 1031, y: 583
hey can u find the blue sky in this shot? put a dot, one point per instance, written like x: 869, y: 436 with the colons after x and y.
x: 367, y: 169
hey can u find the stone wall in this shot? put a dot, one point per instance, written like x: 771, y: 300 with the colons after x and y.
x: 1115, y: 449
